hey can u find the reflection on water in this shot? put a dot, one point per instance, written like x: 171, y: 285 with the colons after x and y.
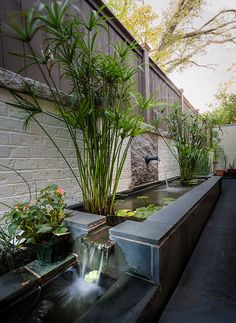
x: 69, y: 296
x: 155, y: 195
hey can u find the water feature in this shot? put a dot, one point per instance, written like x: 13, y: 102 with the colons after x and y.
x: 164, y: 172
x: 159, y: 195
x: 68, y: 296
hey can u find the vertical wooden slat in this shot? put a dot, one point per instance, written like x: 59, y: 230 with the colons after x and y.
x: 36, y: 43
x: 9, y: 10
x: 159, y: 83
x: 1, y: 48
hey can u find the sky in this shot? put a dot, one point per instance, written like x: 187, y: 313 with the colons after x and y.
x: 200, y: 84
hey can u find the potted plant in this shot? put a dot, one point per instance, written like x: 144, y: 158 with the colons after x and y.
x: 221, y: 159
x: 41, y: 224
x: 231, y: 170
x: 220, y: 172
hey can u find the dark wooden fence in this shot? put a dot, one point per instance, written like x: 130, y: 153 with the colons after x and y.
x: 150, y: 79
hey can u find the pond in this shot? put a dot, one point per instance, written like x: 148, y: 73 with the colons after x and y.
x: 63, y: 299
x: 151, y: 199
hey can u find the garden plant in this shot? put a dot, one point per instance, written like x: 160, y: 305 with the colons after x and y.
x: 192, y: 139
x: 101, y: 105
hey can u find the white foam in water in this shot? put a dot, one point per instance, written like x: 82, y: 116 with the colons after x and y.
x: 79, y: 292
x: 84, y: 288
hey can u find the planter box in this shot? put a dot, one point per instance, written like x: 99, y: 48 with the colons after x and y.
x: 231, y: 171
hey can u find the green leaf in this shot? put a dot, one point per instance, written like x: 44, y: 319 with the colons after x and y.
x: 44, y: 228
x: 168, y: 200
x: 12, y: 229
x: 123, y: 212
x: 60, y: 230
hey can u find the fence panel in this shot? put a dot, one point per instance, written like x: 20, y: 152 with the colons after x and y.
x: 160, y: 86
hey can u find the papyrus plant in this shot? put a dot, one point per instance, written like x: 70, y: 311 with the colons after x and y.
x: 100, y: 104
x: 191, y: 135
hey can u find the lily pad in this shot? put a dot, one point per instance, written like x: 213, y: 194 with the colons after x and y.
x: 145, y: 212
x: 123, y: 212
x: 142, y: 197
x: 168, y: 200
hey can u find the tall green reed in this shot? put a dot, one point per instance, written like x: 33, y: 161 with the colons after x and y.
x: 101, y: 104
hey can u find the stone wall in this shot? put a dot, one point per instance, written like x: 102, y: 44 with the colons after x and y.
x: 32, y: 154
x: 143, y: 145
x: 152, y: 144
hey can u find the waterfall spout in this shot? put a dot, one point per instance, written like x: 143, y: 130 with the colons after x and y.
x: 150, y: 158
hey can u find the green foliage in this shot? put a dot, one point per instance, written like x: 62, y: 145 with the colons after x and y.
x: 203, y: 164
x: 192, y: 138
x: 141, y: 212
x: 178, y: 38
x: 225, y: 112
x: 100, y: 103
x: 37, y: 223
x: 232, y: 165
x: 168, y: 200
x: 8, y: 248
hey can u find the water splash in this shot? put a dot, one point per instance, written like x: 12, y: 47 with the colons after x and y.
x: 164, y: 172
x: 83, y: 287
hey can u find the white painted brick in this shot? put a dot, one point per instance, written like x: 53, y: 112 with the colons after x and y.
x: 68, y: 153
x: 43, y: 152
x: 10, y: 124
x: 16, y: 113
x: 10, y: 177
x: 4, y: 110
x: 66, y: 173
x: 53, y: 121
x: 34, y: 156
x: 6, y: 190
x: 4, y: 137
x: 7, y: 162
x: 25, y: 140
x: 14, y: 151
x: 168, y: 161
x: 61, y: 142
x: 46, y: 174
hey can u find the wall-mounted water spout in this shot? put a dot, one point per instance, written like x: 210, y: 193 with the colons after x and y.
x: 150, y: 158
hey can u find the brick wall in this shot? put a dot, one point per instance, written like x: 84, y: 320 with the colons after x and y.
x: 168, y: 161
x: 32, y: 154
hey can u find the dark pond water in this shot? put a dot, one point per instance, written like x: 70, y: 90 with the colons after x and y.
x: 157, y: 195
x: 63, y: 300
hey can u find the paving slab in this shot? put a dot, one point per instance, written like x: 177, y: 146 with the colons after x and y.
x: 207, y: 289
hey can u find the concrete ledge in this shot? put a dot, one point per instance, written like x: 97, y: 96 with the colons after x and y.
x: 82, y: 221
x: 168, y: 236
x: 158, y: 225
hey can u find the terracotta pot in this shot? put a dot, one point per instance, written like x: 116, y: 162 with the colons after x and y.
x: 220, y: 172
